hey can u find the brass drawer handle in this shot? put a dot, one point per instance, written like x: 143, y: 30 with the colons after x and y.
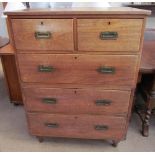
x: 106, y: 70
x: 42, y: 68
x: 52, y: 125
x: 103, y: 102
x: 49, y: 100
x: 108, y: 35
x: 101, y: 127
x: 42, y: 35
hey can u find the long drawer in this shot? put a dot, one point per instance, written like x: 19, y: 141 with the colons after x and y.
x: 112, y: 71
x: 77, y: 101
x: 109, y: 34
x: 76, y: 126
x: 43, y: 34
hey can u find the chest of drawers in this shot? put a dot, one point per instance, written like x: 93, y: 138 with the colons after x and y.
x: 78, y: 69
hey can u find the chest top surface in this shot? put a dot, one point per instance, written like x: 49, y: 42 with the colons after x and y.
x: 81, y: 11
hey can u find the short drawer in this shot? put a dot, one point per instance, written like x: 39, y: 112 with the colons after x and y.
x: 112, y: 71
x: 43, y: 34
x: 76, y: 126
x: 77, y: 101
x: 109, y: 34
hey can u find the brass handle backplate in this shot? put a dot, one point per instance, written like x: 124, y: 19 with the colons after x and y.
x: 106, y: 70
x: 101, y: 127
x: 42, y: 68
x: 42, y: 35
x: 103, y: 102
x: 49, y: 100
x: 108, y: 35
x: 52, y: 125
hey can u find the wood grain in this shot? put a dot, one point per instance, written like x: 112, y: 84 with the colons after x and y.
x: 77, y: 101
x: 75, y: 57
x: 81, y: 11
x: 12, y: 79
x: 89, y: 34
x: 10, y: 71
x: 61, y: 34
x: 78, y: 69
x: 7, y: 50
x: 148, y: 55
x: 76, y: 126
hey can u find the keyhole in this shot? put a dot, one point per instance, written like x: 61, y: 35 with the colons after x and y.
x: 109, y: 23
x: 75, y: 92
x: 42, y: 23
x: 75, y: 57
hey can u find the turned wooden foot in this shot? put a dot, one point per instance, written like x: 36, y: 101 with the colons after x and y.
x: 115, y: 143
x: 125, y: 138
x: 145, y: 125
x: 16, y: 103
x: 40, y: 139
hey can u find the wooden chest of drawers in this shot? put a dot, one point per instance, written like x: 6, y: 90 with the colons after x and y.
x: 78, y: 69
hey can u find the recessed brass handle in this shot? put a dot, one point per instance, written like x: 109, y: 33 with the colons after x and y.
x: 108, y: 35
x: 42, y: 35
x: 101, y: 127
x: 103, y: 102
x: 52, y: 125
x: 42, y: 68
x: 106, y: 70
x: 49, y: 100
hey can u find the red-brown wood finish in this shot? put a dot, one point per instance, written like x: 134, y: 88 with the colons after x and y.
x: 61, y: 31
x: 148, y: 55
x: 77, y: 126
x: 10, y: 72
x: 7, y: 55
x: 146, y: 82
x: 89, y: 11
x: 89, y: 34
x: 77, y: 68
x: 12, y: 79
x: 77, y: 101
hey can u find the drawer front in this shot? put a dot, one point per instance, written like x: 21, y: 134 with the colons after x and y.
x: 43, y: 34
x: 111, y: 71
x: 77, y: 101
x: 109, y: 34
x: 76, y: 126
